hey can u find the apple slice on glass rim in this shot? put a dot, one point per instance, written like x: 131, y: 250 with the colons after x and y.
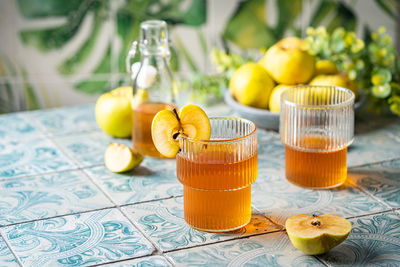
x: 167, y: 125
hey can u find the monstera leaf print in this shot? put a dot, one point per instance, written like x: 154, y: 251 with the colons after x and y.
x: 249, y: 27
x: 125, y: 18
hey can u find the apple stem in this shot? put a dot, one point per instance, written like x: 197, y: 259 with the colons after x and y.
x: 176, y: 115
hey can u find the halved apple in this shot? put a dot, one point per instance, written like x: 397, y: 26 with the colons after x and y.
x: 121, y: 158
x: 167, y: 125
x: 316, y: 234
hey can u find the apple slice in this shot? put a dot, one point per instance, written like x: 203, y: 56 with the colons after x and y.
x: 121, y: 158
x: 316, y: 234
x: 167, y: 125
x: 194, y: 122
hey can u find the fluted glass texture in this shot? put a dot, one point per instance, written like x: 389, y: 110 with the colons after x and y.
x: 217, y: 175
x: 316, y: 126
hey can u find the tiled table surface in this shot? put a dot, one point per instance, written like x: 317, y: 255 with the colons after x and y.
x: 60, y: 206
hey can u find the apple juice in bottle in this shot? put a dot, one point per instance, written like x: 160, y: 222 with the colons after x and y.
x: 154, y: 88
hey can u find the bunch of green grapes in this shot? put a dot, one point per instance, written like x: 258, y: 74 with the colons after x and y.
x: 373, y: 66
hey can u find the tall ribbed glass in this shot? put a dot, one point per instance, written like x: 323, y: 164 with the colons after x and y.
x: 316, y: 127
x: 217, y: 175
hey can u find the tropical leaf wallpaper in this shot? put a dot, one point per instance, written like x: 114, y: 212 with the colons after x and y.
x: 56, y: 53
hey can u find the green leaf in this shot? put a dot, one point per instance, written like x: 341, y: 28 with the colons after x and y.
x: 128, y: 29
x: 185, y: 53
x: 203, y: 42
x: 90, y: 86
x: 93, y: 87
x: 247, y: 27
x: 196, y: 14
x: 46, y: 8
x: 325, y: 7
x: 388, y: 6
x: 6, y: 98
x: 71, y: 65
x: 31, y: 99
x: 288, y: 12
x: 344, y: 17
x: 48, y: 39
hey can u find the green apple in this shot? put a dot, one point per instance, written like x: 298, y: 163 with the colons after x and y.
x: 113, y: 112
x: 121, y: 158
x: 167, y: 125
x: 316, y: 234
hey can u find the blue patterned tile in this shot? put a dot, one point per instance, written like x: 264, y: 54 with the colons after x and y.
x: 153, y: 179
x: 271, y: 151
x: 7, y: 259
x: 77, y: 240
x: 373, y: 241
x: 68, y: 120
x: 48, y: 195
x: 377, y: 139
x: 88, y: 149
x: 278, y: 199
x: 15, y: 127
x: 272, y: 249
x: 163, y: 222
x: 31, y: 157
x: 382, y: 180
x: 152, y: 261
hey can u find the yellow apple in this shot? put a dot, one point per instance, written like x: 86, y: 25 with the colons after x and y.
x: 275, y: 99
x: 121, y: 158
x: 251, y: 85
x: 325, y: 67
x: 167, y: 125
x: 288, y: 63
x: 340, y: 80
x: 316, y: 234
x: 113, y: 112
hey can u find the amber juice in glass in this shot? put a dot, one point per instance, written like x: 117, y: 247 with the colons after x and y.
x: 142, y: 118
x: 217, y: 175
x: 316, y: 126
x: 299, y: 170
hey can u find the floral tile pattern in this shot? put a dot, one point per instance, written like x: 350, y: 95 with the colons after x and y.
x: 382, y: 180
x: 87, y: 149
x: 273, y: 249
x: 153, y: 179
x: 163, y: 222
x: 56, y: 199
x: 64, y: 121
x: 77, y: 240
x: 48, y: 195
x: 271, y: 151
x: 32, y: 157
x: 373, y: 241
x: 153, y: 261
x: 279, y: 199
x: 7, y: 259
x: 16, y: 127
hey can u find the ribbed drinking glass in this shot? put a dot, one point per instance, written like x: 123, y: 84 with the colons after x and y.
x: 217, y: 175
x: 316, y: 127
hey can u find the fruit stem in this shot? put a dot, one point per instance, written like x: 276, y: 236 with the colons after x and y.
x: 176, y: 115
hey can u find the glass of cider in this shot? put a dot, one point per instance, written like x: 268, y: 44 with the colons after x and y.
x: 217, y: 175
x: 316, y: 127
